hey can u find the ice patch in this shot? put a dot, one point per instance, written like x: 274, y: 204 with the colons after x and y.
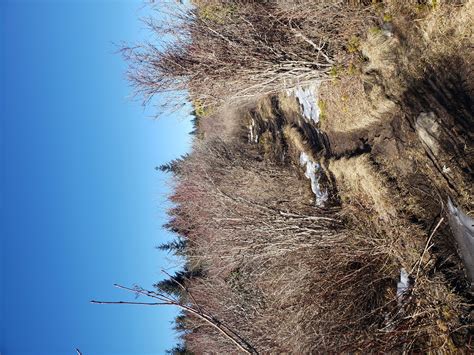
x: 313, y: 173
x: 308, y: 99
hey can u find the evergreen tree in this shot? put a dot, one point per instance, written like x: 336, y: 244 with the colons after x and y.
x: 176, y: 247
x: 172, y: 286
x: 179, y: 349
x: 173, y: 166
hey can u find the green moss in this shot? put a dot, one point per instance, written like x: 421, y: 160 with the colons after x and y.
x: 424, y: 8
x: 339, y: 70
x: 378, y: 5
x: 352, y: 69
x: 335, y: 71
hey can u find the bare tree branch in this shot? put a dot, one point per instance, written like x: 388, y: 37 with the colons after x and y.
x: 230, y: 334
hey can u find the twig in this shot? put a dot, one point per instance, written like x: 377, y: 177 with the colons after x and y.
x: 230, y: 334
x: 184, y: 289
x: 426, y: 248
x: 136, y: 303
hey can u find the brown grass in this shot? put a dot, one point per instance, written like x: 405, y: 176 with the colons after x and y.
x: 357, y: 178
x: 296, y: 138
x: 346, y: 106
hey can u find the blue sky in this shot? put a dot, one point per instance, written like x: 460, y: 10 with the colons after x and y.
x: 81, y: 203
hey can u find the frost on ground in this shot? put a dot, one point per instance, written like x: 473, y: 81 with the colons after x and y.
x: 308, y: 100
x: 313, y: 172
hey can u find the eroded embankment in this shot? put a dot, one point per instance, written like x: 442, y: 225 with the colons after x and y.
x: 286, y: 127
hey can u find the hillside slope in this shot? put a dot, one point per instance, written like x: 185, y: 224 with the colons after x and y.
x: 312, y: 214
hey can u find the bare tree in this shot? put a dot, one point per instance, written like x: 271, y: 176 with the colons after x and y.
x: 237, y: 49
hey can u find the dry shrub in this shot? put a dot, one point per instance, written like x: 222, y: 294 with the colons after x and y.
x: 239, y: 49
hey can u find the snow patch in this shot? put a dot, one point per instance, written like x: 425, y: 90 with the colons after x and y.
x: 253, y: 136
x: 403, y: 284
x: 462, y: 227
x: 308, y: 99
x: 462, y: 218
x: 313, y: 172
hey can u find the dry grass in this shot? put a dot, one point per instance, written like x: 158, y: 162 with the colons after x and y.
x: 358, y: 179
x: 369, y: 203
x: 296, y: 138
x: 355, y: 99
x: 264, y: 108
x: 346, y: 105
x: 444, y: 28
x: 289, y: 105
x: 422, y: 36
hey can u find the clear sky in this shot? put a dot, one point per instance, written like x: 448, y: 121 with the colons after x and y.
x: 81, y: 203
